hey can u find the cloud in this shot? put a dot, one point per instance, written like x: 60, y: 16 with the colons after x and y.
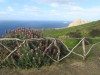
x: 67, y: 13
x: 73, y: 12
x: 85, y: 13
x: 54, y: 5
x: 61, y: 1
x: 55, y: 1
x: 55, y: 11
x: 3, y: 12
x: 32, y: 10
x: 65, y: 7
x: 10, y: 9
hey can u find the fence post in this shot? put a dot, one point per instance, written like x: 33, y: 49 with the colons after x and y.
x: 84, y: 51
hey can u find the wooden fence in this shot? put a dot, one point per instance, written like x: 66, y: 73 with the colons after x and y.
x: 54, y: 41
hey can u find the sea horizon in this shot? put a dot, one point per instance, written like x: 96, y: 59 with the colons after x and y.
x: 35, y: 24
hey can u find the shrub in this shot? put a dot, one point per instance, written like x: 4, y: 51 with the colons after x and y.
x: 95, y: 33
x: 23, y: 33
x: 32, y: 53
x: 74, y: 34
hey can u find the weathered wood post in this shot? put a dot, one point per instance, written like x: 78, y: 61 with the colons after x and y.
x: 58, y: 52
x: 84, y: 51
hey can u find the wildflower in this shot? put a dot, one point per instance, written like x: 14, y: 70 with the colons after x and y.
x: 36, y: 54
x: 33, y: 58
x: 32, y: 50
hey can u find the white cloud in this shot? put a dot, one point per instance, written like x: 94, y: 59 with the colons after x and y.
x: 55, y: 5
x: 6, y: 11
x: 54, y: 13
x: 54, y: 1
x: 65, y: 7
x: 3, y: 12
x: 10, y: 9
x: 57, y: 11
x: 35, y: 11
x: 74, y: 12
x: 89, y: 13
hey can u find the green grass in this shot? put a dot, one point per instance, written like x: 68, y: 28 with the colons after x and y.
x: 83, y: 29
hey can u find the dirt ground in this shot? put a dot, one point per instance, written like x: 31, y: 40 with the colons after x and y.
x: 68, y: 67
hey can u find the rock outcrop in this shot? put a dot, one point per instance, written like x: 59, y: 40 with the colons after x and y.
x: 78, y: 22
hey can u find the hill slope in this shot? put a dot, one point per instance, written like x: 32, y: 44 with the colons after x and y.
x: 84, y: 29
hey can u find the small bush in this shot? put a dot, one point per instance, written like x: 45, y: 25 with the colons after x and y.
x: 95, y: 33
x: 32, y: 53
x: 74, y: 34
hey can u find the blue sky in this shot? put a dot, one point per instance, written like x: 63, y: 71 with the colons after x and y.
x: 49, y: 9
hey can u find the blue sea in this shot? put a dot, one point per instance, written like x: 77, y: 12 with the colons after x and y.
x: 7, y: 25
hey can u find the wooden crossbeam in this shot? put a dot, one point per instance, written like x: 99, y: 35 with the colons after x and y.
x: 54, y: 41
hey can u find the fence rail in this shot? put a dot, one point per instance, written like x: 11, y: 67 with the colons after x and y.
x: 54, y: 41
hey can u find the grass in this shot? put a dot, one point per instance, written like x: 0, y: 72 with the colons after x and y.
x: 83, y: 29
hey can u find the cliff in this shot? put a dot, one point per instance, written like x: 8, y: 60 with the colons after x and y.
x: 78, y: 22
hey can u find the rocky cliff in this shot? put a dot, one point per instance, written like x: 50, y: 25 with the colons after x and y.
x: 78, y: 22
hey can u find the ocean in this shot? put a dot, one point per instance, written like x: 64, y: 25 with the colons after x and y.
x: 9, y: 25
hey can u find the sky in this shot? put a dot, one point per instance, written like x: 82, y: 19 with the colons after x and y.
x: 49, y: 10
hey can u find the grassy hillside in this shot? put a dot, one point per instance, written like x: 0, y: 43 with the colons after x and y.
x: 72, y: 65
x: 84, y: 29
